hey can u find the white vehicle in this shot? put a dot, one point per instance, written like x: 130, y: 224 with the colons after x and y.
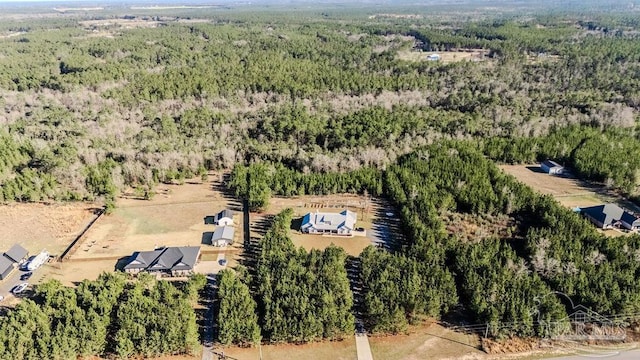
x: 37, y: 261
x: 1, y: 297
x: 19, y: 288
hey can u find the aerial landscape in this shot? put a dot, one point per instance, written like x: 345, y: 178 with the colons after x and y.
x: 324, y: 180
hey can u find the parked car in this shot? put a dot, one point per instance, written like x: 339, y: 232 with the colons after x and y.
x: 1, y: 297
x: 26, y: 276
x: 19, y: 288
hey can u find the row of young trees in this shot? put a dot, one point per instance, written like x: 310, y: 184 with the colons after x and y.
x: 105, y: 317
x: 302, y: 296
x: 295, y: 296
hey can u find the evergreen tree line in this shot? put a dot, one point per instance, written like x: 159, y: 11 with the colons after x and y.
x: 297, y: 296
x: 105, y: 317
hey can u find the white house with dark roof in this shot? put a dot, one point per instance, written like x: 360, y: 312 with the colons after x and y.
x: 342, y: 223
x: 223, y: 236
x: 177, y: 261
x: 608, y: 216
x: 552, y: 167
x: 224, y: 218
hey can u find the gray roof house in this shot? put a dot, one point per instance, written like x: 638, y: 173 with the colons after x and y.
x: 17, y: 253
x: 329, y: 223
x: 173, y: 260
x: 552, y: 167
x: 224, y: 218
x: 608, y: 216
x: 223, y: 236
x: 10, y: 259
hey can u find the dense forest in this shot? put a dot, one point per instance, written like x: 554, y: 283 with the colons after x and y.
x: 106, y: 317
x: 93, y: 108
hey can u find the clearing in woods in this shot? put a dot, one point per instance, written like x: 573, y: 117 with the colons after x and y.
x: 365, y: 208
x: 569, y: 191
x: 446, y: 57
x: 174, y: 217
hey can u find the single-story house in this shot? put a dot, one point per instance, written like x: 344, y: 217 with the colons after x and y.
x: 177, y: 261
x: 329, y: 223
x: 433, y: 57
x: 223, y: 236
x: 224, y: 218
x: 11, y: 259
x: 552, y: 167
x: 608, y: 216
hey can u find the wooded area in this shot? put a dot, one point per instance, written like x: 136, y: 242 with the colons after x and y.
x: 89, y: 116
x: 108, y: 316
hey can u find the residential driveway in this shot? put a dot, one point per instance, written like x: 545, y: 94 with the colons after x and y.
x: 362, y: 347
x: 14, y: 279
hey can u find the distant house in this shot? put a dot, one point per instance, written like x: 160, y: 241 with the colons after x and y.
x: 609, y: 216
x: 175, y: 261
x: 224, y: 218
x: 329, y: 223
x: 223, y: 236
x: 11, y: 259
x: 433, y: 57
x: 552, y: 167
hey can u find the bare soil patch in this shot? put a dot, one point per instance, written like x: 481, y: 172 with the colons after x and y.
x: 42, y: 226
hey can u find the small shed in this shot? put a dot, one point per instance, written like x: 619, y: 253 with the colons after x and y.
x: 552, y: 167
x: 6, y: 267
x: 223, y: 236
x: 433, y: 57
x: 17, y: 253
x: 224, y: 218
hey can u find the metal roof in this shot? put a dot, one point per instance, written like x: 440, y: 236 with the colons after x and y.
x: 16, y: 253
x: 223, y: 233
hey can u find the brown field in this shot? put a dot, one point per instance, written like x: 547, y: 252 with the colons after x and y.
x: 337, y: 350
x: 569, y: 191
x: 174, y: 217
x: 41, y: 226
x: 73, y: 272
x: 430, y: 341
x: 446, y: 57
x: 364, y: 208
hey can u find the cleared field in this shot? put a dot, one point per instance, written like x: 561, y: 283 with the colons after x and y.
x: 72, y: 273
x: 41, y: 226
x: 174, y: 217
x: 445, y: 56
x: 337, y: 350
x: 569, y: 191
x: 427, y: 342
x: 365, y: 209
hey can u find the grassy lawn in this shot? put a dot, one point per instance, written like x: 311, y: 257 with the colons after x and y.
x: 338, y: 350
x: 426, y: 342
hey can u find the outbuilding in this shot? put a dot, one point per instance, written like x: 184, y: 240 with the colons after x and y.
x: 223, y: 236
x: 552, y: 167
x: 224, y: 218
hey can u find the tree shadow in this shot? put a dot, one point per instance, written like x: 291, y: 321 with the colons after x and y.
x: 296, y: 224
